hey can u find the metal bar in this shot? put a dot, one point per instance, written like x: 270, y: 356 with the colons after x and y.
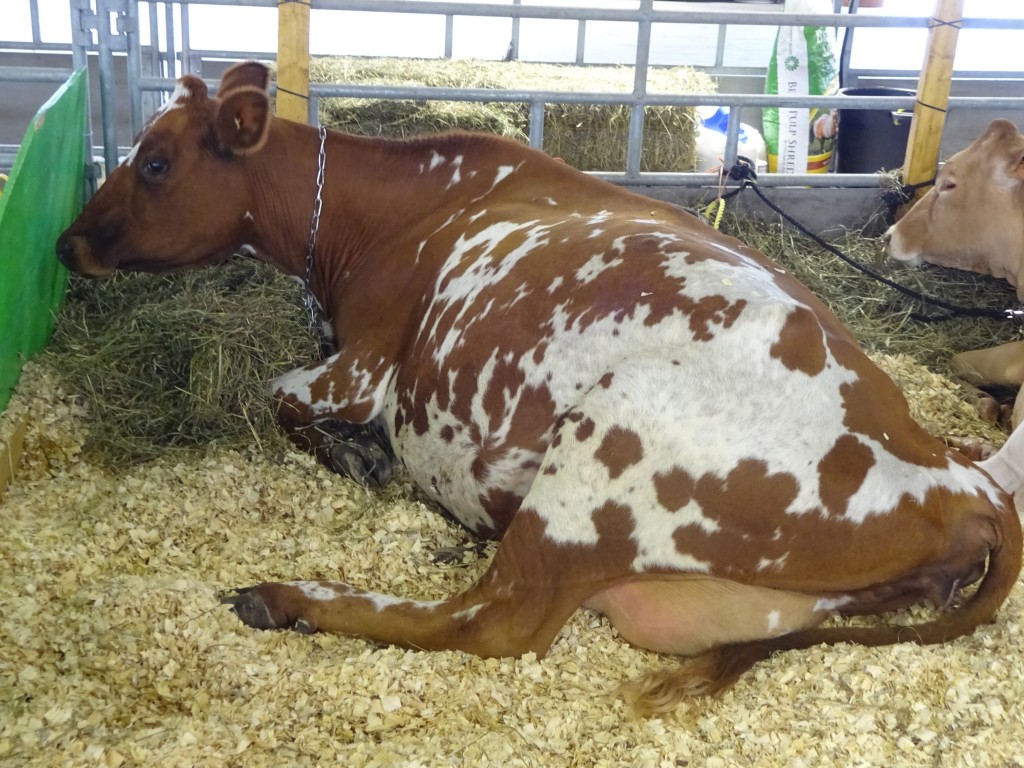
x: 34, y: 75
x: 107, y: 85
x: 581, y: 41
x: 81, y: 40
x: 33, y: 11
x: 537, y: 124
x: 961, y: 74
x: 171, y: 50
x: 513, y: 45
x: 155, y: 67
x: 449, y: 34
x: 684, y: 16
x: 133, y: 67
x: 635, y: 140
x: 732, y: 139
x: 186, y: 43
x: 720, y: 46
x: 82, y: 16
x: 838, y: 180
x: 734, y: 100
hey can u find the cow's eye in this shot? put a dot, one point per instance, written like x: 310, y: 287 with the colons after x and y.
x: 947, y: 185
x: 155, y: 166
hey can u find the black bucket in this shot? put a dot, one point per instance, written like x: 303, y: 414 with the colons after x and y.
x: 872, y: 139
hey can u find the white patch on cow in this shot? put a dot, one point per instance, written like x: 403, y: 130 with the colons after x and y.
x: 595, y: 232
x: 248, y: 216
x: 830, y: 604
x: 775, y: 564
x: 178, y: 97
x: 459, y: 283
x: 436, y: 160
x: 898, y: 250
x: 468, y: 614
x: 248, y: 249
x: 382, y: 602
x: 298, y: 382
x: 364, y: 385
x: 774, y: 622
x: 321, y: 592
x: 556, y: 283
x: 502, y: 173
x: 129, y: 159
x: 456, y: 172
x: 548, y: 201
x: 594, y: 267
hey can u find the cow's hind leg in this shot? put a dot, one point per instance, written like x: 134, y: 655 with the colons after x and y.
x: 519, y: 605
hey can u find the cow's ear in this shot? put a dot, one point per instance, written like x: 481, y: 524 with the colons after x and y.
x: 243, y: 120
x: 248, y: 74
x: 191, y: 89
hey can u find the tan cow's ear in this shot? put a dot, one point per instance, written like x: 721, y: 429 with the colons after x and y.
x: 248, y: 74
x: 243, y: 120
x: 1018, y: 172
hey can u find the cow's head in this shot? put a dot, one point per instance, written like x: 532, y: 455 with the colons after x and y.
x: 179, y: 199
x: 973, y: 218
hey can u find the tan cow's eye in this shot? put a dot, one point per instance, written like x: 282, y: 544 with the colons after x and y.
x: 947, y: 185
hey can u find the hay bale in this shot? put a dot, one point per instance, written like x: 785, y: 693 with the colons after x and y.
x: 167, y: 363
x: 589, y: 137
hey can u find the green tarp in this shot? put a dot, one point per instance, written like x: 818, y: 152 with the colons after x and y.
x: 40, y: 199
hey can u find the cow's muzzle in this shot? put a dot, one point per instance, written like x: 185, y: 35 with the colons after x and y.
x: 75, y: 253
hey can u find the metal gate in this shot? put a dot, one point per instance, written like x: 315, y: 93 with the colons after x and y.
x: 108, y: 35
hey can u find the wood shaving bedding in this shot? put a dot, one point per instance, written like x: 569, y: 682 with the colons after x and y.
x: 115, y: 652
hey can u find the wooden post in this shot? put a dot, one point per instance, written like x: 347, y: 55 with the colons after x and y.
x: 293, y: 60
x: 922, y: 157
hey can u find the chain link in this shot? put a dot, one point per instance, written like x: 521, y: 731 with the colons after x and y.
x: 308, y: 299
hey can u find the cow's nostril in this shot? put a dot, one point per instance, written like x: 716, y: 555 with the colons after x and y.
x: 887, y: 238
x: 65, y: 252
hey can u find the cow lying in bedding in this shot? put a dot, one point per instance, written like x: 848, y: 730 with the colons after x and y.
x: 658, y: 422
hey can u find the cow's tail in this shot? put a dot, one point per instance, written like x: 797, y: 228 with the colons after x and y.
x: 718, y: 668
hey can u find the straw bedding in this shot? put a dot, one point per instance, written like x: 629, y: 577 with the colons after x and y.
x: 115, y: 652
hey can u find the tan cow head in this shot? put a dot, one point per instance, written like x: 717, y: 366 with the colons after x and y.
x: 179, y: 199
x: 973, y: 218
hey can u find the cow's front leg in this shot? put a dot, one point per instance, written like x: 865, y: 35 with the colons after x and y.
x: 323, y: 413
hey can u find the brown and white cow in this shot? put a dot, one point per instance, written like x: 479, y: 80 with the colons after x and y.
x: 973, y: 217
x: 658, y: 422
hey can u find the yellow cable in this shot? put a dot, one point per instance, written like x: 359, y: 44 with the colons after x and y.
x: 718, y: 208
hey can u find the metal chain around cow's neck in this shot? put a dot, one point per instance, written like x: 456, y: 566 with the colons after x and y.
x: 308, y: 299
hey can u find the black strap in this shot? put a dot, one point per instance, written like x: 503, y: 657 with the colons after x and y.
x: 743, y: 171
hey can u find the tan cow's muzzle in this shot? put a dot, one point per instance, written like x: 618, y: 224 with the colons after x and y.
x: 894, y: 248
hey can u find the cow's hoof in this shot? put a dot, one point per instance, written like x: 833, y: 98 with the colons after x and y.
x: 363, y: 461
x: 457, y: 555
x: 251, y: 606
x: 973, y: 448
